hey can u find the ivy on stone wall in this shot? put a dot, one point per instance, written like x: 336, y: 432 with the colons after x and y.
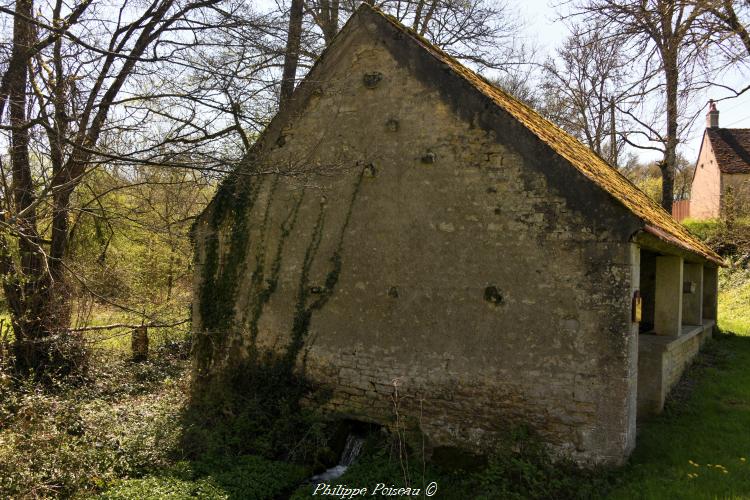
x: 222, y: 272
x: 229, y: 211
x: 302, y: 311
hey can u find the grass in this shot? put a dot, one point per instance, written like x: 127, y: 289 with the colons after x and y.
x: 247, y: 477
x: 734, y: 301
x: 700, y: 446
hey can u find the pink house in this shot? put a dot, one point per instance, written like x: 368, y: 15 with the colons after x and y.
x: 722, y: 172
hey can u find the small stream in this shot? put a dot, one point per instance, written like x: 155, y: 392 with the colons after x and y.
x: 352, y: 449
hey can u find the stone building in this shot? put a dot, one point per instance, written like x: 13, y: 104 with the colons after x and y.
x: 405, y: 227
x: 722, y: 173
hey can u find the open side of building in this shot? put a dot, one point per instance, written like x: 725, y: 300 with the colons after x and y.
x: 404, y: 228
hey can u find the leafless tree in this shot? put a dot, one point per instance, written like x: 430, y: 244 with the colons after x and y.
x: 291, y: 54
x: 64, y: 84
x: 726, y: 21
x: 657, y: 35
x: 582, y: 87
x: 93, y: 86
x: 481, y: 32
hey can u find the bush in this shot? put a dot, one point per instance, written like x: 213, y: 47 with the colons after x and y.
x: 519, y: 468
x: 703, y: 229
x: 256, y: 412
x: 523, y: 468
x: 728, y: 237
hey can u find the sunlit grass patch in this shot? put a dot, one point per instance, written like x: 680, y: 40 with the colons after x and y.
x: 699, y: 447
x: 734, y: 301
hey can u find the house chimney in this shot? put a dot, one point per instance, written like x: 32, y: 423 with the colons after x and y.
x: 712, y: 117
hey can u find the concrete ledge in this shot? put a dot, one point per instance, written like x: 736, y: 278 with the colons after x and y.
x: 662, y: 361
x: 670, y: 343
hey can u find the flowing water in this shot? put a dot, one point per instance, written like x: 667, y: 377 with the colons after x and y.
x: 352, y: 449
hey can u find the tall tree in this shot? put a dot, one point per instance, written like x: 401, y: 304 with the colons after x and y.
x: 658, y: 35
x: 726, y: 20
x: 291, y: 54
x: 481, y: 32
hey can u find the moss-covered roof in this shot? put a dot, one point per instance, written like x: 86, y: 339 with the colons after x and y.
x: 570, y: 148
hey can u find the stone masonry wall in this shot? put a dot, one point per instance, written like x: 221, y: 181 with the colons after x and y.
x: 418, y: 251
x: 677, y: 359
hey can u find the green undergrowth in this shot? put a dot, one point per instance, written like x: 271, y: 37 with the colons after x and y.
x: 734, y: 300
x: 700, y: 446
x: 728, y: 237
x: 521, y: 468
x: 71, y: 439
x: 704, y: 229
x: 255, y: 410
x: 248, y: 477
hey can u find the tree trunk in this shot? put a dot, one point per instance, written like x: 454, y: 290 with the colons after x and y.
x: 291, y: 54
x: 732, y: 21
x: 668, y: 165
x: 35, y: 288
x: 329, y: 14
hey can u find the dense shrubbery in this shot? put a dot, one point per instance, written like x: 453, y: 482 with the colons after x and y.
x: 257, y: 411
x: 729, y: 237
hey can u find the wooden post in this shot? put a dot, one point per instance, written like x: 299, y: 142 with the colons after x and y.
x: 139, y: 343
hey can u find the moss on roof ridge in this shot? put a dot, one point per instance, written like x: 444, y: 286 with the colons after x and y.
x: 592, y: 166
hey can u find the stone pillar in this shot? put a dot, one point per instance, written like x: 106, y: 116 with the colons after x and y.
x: 668, y: 299
x: 692, y: 294
x: 632, y: 359
x: 710, y: 292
